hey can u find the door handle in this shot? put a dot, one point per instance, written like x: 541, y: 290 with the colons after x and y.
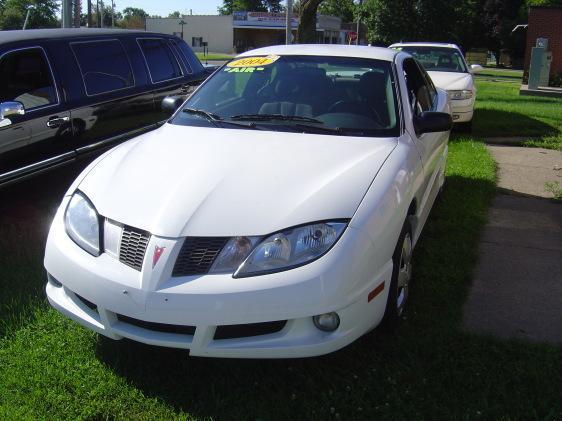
x: 55, y: 122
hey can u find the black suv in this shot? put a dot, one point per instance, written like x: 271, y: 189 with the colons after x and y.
x: 65, y: 93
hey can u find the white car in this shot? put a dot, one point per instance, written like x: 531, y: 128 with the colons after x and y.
x: 274, y: 215
x: 448, y: 69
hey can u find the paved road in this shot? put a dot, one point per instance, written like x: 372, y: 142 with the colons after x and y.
x: 517, y: 285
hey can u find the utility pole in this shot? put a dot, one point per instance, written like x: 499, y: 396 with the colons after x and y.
x: 66, y: 13
x: 90, y: 22
x: 359, y: 22
x: 27, y: 17
x: 112, y: 13
x: 289, y: 23
x: 101, y: 13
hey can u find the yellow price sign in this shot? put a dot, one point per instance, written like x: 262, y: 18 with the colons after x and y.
x: 253, y: 61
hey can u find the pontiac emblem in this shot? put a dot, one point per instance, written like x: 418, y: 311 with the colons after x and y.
x: 157, y: 253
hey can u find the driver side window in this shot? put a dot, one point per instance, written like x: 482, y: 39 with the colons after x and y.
x: 419, y: 90
x: 26, y: 78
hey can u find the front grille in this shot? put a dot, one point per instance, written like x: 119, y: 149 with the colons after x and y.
x: 248, y: 329
x: 157, y: 327
x: 133, y: 247
x: 197, y: 255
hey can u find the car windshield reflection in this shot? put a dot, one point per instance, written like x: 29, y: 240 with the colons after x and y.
x: 323, y: 95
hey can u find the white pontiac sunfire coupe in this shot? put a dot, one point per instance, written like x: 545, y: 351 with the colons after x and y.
x: 274, y: 215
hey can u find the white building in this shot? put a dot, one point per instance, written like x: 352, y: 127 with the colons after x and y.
x: 241, y: 31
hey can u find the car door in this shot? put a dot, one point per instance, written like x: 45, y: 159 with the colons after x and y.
x: 422, y: 97
x: 39, y: 137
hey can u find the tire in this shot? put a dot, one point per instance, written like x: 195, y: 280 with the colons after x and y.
x: 401, y: 278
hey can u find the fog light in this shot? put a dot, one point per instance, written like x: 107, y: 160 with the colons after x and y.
x: 327, y: 322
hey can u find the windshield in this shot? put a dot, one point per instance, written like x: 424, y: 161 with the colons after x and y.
x: 438, y: 59
x: 325, y: 95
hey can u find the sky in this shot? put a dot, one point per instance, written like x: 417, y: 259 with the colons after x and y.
x: 164, y: 7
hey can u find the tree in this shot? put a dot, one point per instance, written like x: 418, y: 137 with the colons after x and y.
x: 133, y: 18
x: 229, y: 6
x: 345, y: 9
x: 390, y: 21
x: 499, y: 18
x: 134, y: 11
x: 42, y: 15
x: 175, y: 14
x: 306, y: 34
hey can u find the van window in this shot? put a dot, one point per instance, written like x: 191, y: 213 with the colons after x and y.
x: 180, y: 56
x: 26, y: 77
x: 104, y: 65
x: 161, y: 62
x: 189, y: 57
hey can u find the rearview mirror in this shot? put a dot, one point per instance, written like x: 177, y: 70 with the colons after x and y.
x: 171, y: 103
x: 10, y: 109
x: 431, y: 121
x: 475, y: 68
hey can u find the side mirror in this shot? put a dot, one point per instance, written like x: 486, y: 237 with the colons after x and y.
x: 431, y: 122
x: 10, y: 109
x: 171, y: 103
x: 475, y: 68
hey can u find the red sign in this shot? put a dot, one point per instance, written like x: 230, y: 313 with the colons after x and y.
x: 352, y: 35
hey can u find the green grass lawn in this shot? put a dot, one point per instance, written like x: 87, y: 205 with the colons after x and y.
x: 501, y: 111
x: 213, y: 56
x: 51, y: 368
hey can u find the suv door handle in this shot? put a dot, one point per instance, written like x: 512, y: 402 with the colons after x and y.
x: 55, y: 122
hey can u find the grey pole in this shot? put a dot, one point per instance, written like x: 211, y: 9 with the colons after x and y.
x: 102, y: 13
x: 66, y: 14
x: 359, y: 22
x: 26, y: 18
x: 289, y: 22
x: 112, y: 14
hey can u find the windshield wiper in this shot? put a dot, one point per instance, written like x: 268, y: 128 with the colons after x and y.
x: 216, y: 119
x: 341, y: 131
x: 213, y: 118
x: 269, y: 117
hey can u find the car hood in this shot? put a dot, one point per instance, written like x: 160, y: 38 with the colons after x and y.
x: 451, y: 81
x: 193, y: 181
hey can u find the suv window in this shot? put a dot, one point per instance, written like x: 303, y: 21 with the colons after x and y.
x: 26, y: 77
x: 178, y: 53
x: 104, y: 65
x: 161, y: 62
x: 188, y: 55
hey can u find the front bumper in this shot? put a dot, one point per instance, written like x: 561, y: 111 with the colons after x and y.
x: 462, y: 110
x: 104, y: 295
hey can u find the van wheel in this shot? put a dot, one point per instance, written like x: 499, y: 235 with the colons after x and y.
x: 400, y: 282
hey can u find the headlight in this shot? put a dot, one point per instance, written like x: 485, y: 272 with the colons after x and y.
x: 464, y: 94
x: 82, y: 223
x: 233, y: 254
x: 291, y: 248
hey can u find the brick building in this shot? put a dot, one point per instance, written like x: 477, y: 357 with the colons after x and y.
x: 545, y: 22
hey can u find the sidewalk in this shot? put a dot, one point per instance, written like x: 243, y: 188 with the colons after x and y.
x: 517, y: 285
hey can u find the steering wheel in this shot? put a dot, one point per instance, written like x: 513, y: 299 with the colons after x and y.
x: 354, y: 107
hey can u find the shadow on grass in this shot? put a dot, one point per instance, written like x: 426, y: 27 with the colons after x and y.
x: 373, y: 372
x: 26, y: 211
x: 489, y: 122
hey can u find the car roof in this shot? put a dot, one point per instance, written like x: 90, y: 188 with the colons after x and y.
x: 334, y: 50
x: 424, y: 44
x: 40, y: 34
